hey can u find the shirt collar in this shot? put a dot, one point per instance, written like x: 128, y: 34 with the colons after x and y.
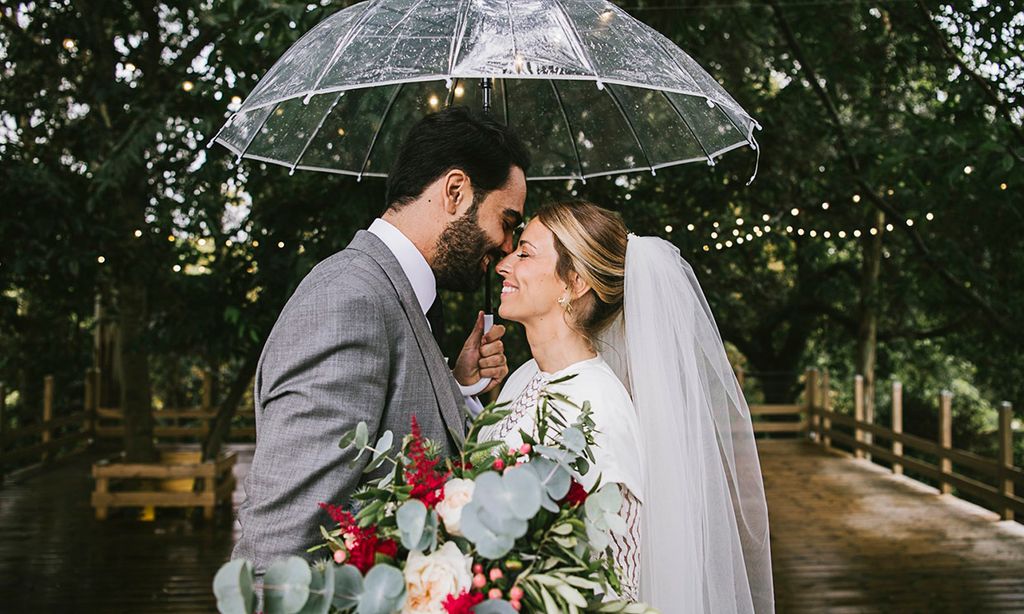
x: 413, y: 264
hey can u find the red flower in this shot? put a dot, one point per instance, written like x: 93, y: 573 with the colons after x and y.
x: 365, y: 542
x: 423, y: 475
x: 463, y: 604
x: 576, y: 495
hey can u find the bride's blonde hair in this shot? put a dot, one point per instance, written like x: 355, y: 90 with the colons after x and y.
x: 591, y: 242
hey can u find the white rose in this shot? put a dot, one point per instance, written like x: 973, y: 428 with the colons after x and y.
x: 457, y: 493
x: 430, y: 579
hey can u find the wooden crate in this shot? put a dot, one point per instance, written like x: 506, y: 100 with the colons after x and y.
x: 121, y: 484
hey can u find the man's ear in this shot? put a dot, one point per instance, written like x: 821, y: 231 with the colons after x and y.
x: 457, y: 192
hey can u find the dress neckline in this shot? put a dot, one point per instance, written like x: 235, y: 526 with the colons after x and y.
x: 575, y: 365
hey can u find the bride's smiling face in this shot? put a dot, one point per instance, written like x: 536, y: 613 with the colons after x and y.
x: 531, y: 287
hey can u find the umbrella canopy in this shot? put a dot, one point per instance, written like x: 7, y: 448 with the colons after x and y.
x: 589, y: 89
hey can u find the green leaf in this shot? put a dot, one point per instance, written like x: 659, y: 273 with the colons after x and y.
x: 286, y: 586
x: 383, y: 591
x: 348, y: 587
x: 233, y: 588
x: 321, y: 590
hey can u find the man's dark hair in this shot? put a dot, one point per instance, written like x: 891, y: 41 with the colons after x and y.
x: 454, y: 138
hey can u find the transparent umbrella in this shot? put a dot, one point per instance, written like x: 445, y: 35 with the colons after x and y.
x: 589, y: 89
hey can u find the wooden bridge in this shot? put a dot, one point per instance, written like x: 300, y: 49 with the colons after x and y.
x: 848, y: 535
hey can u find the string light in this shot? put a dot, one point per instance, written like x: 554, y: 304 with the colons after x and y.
x: 929, y: 216
x: 280, y: 245
x: 170, y: 238
x: 765, y: 217
x: 236, y: 100
x: 690, y: 227
x: 824, y: 206
x: 968, y: 169
x: 910, y: 222
x: 856, y: 233
x: 1002, y: 186
x: 69, y: 44
x: 433, y: 101
x: 176, y: 268
x: 459, y: 91
x: 739, y: 221
x: 256, y: 243
x: 101, y: 259
x: 889, y: 227
x: 137, y: 233
x: 794, y: 211
x: 187, y: 86
x: 856, y: 198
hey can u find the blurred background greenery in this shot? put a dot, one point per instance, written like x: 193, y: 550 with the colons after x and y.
x: 125, y: 244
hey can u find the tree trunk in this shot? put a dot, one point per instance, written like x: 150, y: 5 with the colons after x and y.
x: 229, y: 405
x: 136, y: 395
x: 867, y: 334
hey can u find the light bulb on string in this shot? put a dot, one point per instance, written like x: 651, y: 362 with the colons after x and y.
x: 889, y: 227
x: 1002, y: 186
x: 765, y: 217
x: 739, y: 221
x: 929, y: 216
x: 856, y: 198
x: 856, y: 233
x: 176, y: 268
x: 794, y: 211
x: 874, y: 231
x: 824, y: 206
x: 789, y: 229
x: 800, y: 231
x: 813, y: 233
x: 137, y: 233
x: 910, y: 222
x: 968, y: 169
x: 827, y: 234
x: 100, y: 259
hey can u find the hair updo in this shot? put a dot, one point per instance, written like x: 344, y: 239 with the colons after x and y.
x: 591, y: 242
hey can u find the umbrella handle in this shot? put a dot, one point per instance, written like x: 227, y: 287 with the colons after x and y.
x: 484, y: 382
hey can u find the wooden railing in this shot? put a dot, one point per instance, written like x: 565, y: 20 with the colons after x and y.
x: 1001, y: 473
x: 799, y: 412
x: 174, y: 423
x: 49, y: 435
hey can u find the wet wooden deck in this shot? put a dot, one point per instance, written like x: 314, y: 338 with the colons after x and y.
x: 846, y: 537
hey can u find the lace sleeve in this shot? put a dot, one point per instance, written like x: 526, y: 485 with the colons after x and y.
x: 626, y: 548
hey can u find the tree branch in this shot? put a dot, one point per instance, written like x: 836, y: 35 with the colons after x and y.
x: 982, y: 83
x: 874, y: 199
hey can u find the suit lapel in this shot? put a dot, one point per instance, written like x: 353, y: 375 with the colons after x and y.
x: 445, y: 390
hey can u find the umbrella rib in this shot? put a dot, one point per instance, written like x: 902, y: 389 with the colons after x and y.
x: 263, y: 122
x: 568, y: 126
x: 376, y: 133
x: 679, y: 114
x: 316, y: 130
x: 632, y: 129
x: 504, y: 98
x: 512, y: 32
x: 574, y: 40
x: 460, y: 30
x: 343, y: 45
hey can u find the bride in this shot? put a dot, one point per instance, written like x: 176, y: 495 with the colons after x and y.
x: 626, y: 317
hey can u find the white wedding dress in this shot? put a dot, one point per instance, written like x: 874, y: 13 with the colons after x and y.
x: 617, y: 450
x: 676, y: 434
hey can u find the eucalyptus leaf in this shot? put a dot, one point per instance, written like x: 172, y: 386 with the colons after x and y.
x: 412, y: 520
x: 321, y: 590
x: 348, y: 587
x: 383, y: 591
x: 494, y: 606
x: 233, y: 588
x: 286, y: 586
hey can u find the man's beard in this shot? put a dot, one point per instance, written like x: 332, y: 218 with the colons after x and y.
x: 461, y: 249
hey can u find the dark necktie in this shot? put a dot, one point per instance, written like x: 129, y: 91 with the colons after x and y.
x: 435, y: 316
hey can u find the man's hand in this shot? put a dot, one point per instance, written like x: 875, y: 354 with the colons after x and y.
x: 482, y: 356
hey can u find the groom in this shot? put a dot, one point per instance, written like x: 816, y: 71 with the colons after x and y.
x: 354, y: 343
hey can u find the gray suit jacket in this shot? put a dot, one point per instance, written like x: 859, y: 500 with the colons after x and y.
x: 352, y: 344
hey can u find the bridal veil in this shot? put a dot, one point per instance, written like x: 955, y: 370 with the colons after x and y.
x: 705, y: 541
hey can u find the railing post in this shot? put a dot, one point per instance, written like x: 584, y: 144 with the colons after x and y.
x: 897, y: 424
x: 1005, y: 457
x: 47, y: 414
x: 945, y: 438
x: 858, y: 414
x: 826, y: 406
x: 869, y: 416
x: 811, y: 426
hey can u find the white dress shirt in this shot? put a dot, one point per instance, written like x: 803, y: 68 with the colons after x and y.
x: 420, y: 276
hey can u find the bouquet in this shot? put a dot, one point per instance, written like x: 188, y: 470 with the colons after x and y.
x: 493, y: 531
